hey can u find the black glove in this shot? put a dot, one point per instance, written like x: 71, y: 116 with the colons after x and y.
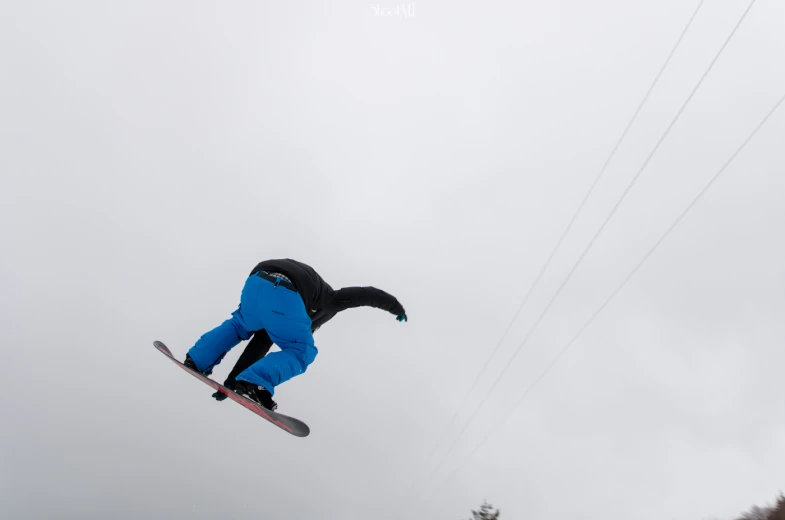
x: 218, y: 396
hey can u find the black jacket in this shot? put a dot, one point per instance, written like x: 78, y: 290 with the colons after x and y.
x: 321, y: 300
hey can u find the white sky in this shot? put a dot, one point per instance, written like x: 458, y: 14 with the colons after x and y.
x: 151, y: 153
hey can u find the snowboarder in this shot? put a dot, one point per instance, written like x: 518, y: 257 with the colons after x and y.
x: 283, y: 302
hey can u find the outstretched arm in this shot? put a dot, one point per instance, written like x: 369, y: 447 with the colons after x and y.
x: 350, y: 297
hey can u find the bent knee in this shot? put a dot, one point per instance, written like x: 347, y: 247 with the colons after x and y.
x: 305, y: 358
x: 242, y: 334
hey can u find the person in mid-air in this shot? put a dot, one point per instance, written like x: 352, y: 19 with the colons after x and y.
x: 283, y: 302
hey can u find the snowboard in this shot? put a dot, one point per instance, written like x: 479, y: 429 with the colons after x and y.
x: 294, y: 426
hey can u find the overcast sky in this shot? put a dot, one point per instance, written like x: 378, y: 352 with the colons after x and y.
x: 151, y: 153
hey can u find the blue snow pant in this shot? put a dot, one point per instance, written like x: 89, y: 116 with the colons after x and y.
x: 278, y: 310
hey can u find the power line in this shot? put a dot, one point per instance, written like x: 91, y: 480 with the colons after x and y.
x: 602, y: 227
x: 621, y: 285
x: 566, y: 231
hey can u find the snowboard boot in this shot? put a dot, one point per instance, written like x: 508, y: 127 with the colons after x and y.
x: 189, y: 363
x: 255, y: 393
